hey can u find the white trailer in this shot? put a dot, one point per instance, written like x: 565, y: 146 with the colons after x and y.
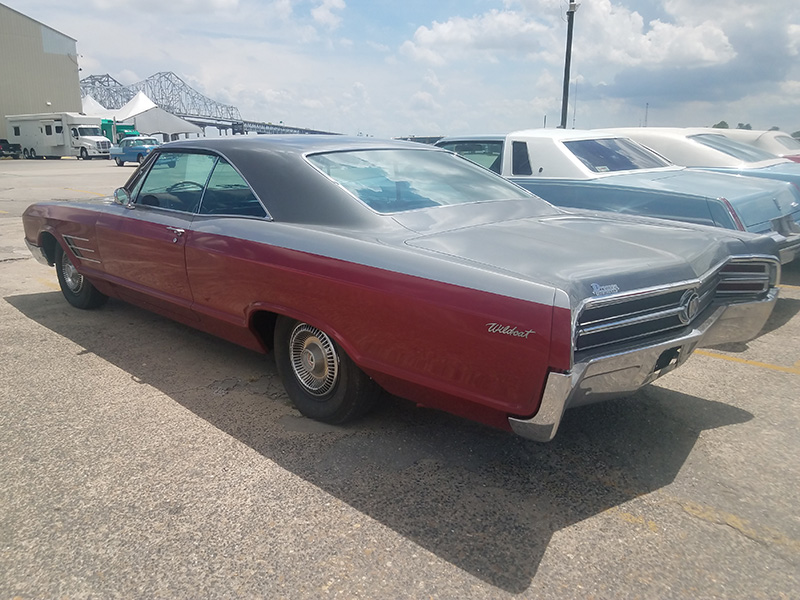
x: 54, y: 135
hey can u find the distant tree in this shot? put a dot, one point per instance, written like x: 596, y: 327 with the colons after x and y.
x: 744, y: 126
x: 721, y: 125
x: 774, y: 128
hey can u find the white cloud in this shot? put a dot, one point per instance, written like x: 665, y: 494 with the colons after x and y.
x: 794, y: 39
x: 483, y: 37
x: 325, y: 15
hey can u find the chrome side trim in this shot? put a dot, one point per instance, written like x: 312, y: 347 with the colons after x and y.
x: 79, y: 250
x: 600, y: 377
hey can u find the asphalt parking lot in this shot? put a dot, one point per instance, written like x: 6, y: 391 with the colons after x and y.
x: 143, y: 459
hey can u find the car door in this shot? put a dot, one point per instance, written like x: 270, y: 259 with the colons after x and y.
x: 144, y: 249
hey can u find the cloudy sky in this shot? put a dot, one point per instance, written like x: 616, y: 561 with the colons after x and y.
x: 431, y: 67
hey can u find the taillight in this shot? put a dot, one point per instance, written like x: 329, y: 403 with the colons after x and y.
x: 736, y: 220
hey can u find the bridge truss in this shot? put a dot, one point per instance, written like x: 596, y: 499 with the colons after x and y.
x: 171, y: 93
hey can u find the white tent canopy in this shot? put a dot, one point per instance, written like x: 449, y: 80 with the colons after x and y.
x: 90, y: 106
x: 146, y: 117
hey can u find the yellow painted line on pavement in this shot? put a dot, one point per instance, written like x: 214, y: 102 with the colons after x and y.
x: 49, y: 283
x: 4, y: 212
x: 85, y: 192
x: 786, y: 286
x: 795, y: 370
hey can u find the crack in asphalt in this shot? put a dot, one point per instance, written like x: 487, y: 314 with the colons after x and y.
x: 764, y: 536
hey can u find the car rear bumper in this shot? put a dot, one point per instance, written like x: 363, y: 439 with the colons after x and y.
x: 607, y: 376
x: 789, y: 249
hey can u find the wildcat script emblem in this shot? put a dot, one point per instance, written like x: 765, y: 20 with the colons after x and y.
x: 508, y: 330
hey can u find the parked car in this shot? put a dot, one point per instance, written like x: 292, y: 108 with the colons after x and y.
x: 367, y: 264
x: 133, y: 149
x: 701, y: 149
x: 597, y: 171
x: 778, y: 143
x: 9, y: 149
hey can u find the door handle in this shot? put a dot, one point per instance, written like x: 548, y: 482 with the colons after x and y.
x: 178, y: 233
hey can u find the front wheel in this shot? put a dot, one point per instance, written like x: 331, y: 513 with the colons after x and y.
x: 75, y: 287
x: 119, y: 161
x: 320, y: 379
x: 84, y: 154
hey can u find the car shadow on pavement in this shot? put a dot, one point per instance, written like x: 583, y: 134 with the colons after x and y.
x: 486, y: 501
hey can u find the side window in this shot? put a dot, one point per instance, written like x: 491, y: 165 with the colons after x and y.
x: 228, y: 194
x: 48, y: 130
x: 520, y: 162
x: 16, y: 131
x: 176, y: 180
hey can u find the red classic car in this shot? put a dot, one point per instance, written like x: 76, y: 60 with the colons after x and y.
x: 365, y: 264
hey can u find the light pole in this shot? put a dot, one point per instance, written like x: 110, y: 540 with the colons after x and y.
x: 573, y: 6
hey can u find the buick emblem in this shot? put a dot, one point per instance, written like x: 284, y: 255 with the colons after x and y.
x: 689, y: 307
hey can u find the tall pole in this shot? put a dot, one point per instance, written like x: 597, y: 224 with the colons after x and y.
x: 573, y: 6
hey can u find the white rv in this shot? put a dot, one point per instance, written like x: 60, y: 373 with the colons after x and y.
x: 54, y: 135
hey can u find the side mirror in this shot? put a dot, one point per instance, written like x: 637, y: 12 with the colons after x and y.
x: 121, y: 196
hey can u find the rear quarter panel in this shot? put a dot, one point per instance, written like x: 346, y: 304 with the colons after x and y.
x: 417, y: 335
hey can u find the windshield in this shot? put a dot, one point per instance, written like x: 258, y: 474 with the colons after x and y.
x: 738, y: 150
x: 391, y: 181
x: 790, y: 142
x: 486, y: 153
x: 89, y: 131
x: 143, y: 142
x: 614, y: 154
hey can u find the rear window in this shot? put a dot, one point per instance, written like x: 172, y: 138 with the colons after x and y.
x: 738, y: 150
x: 392, y: 180
x: 606, y: 155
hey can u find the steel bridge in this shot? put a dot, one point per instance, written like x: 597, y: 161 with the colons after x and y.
x: 171, y: 93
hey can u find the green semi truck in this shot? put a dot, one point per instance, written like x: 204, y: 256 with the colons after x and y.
x: 117, y: 131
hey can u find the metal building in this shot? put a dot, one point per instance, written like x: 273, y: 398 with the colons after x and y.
x: 38, y: 68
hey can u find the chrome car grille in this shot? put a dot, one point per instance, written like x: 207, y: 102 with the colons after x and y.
x: 648, y: 313
x: 103, y: 145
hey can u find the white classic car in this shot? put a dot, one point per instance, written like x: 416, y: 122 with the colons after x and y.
x: 778, y: 143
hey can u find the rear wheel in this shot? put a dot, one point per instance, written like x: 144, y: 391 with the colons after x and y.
x: 33, y: 153
x: 320, y: 379
x: 76, y: 288
x: 25, y: 154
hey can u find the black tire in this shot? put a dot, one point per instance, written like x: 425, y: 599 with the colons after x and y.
x: 320, y: 379
x: 33, y: 153
x: 84, y: 154
x: 25, y: 154
x: 75, y: 287
x: 139, y: 159
x: 119, y: 161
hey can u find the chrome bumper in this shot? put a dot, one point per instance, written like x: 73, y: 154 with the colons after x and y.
x: 38, y: 253
x: 602, y: 377
x: 789, y: 249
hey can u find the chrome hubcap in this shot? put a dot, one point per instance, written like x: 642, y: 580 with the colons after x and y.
x: 72, y: 278
x: 314, y: 359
